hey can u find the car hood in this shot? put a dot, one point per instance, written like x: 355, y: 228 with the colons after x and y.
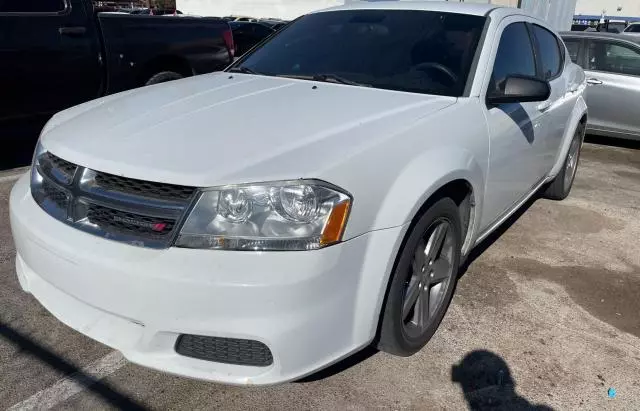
x: 222, y: 128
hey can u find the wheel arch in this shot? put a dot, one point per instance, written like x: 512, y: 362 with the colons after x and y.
x: 165, y: 63
x: 453, y: 172
x: 461, y: 191
x: 579, y: 115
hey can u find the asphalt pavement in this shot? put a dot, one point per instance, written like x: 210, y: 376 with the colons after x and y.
x: 546, y: 314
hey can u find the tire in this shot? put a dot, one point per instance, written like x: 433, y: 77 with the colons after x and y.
x: 163, y: 77
x: 403, y: 331
x: 560, y: 187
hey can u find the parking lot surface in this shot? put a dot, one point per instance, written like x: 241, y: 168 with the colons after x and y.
x: 546, y: 314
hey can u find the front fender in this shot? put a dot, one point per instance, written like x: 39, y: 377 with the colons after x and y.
x: 422, y: 177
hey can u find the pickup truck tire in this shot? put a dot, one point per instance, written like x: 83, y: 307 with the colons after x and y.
x: 163, y: 77
x: 560, y: 187
x: 423, y: 280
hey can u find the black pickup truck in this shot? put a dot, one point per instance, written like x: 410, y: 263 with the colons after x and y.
x: 55, y: 54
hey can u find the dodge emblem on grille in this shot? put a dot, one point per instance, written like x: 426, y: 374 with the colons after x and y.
x: 138, y: 223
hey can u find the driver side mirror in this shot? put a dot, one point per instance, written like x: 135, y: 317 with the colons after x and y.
x: 520, y: 90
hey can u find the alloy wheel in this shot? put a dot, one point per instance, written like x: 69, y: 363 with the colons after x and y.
x: 431, y: 275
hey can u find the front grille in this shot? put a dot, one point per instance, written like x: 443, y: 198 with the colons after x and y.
x: 225, y: 350
x: 136, y: 212
x: 143, y: 188
x: 129, y: 223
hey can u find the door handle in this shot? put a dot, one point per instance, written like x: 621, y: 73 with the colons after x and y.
x: 545, y: 106
x: 72, y: 31
x: 594, y: 81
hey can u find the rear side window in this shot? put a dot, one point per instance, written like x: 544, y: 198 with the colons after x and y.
x: 634, y: 28
x: 32, y: 6
x: 614, y: 58
x: 574, y: 48
x: 550, y: 53
x: 515, y: 56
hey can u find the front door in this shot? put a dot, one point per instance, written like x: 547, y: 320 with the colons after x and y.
x: 517, y: 130
x: 613, y: 92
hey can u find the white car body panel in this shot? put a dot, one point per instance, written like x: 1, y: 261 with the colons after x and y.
x: 390, y: 150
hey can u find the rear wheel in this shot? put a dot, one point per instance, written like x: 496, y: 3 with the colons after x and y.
x: 423, y: 281
x: 560, y: 187
x: 163, y: 77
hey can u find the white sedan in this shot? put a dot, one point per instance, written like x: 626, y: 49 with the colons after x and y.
x: 257, y: 225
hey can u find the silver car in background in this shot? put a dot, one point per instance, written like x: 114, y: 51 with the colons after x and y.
x: 612, y: 65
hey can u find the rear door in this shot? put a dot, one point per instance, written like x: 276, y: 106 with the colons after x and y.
x: 613, y: 76
x: 517, y: 130
x: 49, y: 57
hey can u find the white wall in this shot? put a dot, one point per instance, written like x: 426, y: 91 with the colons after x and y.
x: 284, y: 9
x: 630, y: 8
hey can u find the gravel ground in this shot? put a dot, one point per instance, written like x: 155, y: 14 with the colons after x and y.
x: 546, y: 315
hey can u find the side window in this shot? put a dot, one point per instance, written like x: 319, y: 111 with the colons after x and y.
x: 550, y: 53
x: 514, y: 57
x: 614, y: 58
x: 574, y: 48
x: 32, y: 6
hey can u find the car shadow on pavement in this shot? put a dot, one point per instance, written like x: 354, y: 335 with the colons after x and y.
x: 101, y: 389
x: 340, y: 366
x: 612, y: 142
x: 487, y: 383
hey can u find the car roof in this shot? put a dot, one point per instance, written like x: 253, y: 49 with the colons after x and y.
x: 601, y: 35
x: 475, y: 9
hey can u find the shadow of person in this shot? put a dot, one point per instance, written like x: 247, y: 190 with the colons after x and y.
x: 487, y: 383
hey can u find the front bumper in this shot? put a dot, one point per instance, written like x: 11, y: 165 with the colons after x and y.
x: 310, y: 308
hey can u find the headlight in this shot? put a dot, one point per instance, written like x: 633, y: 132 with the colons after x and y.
x: 286, y: 215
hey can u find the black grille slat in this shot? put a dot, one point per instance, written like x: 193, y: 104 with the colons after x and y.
x: 225, y: 350
x: 141, y: 188
x: 57, y: 168
x: 123, y: 222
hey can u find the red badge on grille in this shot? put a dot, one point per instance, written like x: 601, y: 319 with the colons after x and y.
x: 159, y: 226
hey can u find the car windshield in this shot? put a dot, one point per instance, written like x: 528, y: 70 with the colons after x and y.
x: 415, y: 51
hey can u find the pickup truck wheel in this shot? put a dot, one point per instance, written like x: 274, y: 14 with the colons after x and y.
x: 423, y: 281
x: 163, y: 77
x: 560, y: 187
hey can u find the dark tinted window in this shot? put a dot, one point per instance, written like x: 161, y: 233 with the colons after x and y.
x: 634, y: 28
x: 574, y: 48
x: 549, y: 52
x: 515, y: 56
x: 423, y: 52
x: 31, y: 6
x: 614, y: 58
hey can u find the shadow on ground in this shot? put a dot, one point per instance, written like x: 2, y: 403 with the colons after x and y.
x: 101, y: 389
x: 487, y: 383
x: 612, y: 142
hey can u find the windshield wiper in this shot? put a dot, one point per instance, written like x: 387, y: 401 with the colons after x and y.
x: 245, y: 70
x: 326, y: 78
x: 333, y: 78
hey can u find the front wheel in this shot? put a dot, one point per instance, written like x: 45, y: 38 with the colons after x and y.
x: 423, y: 281
x: 560, y: 187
